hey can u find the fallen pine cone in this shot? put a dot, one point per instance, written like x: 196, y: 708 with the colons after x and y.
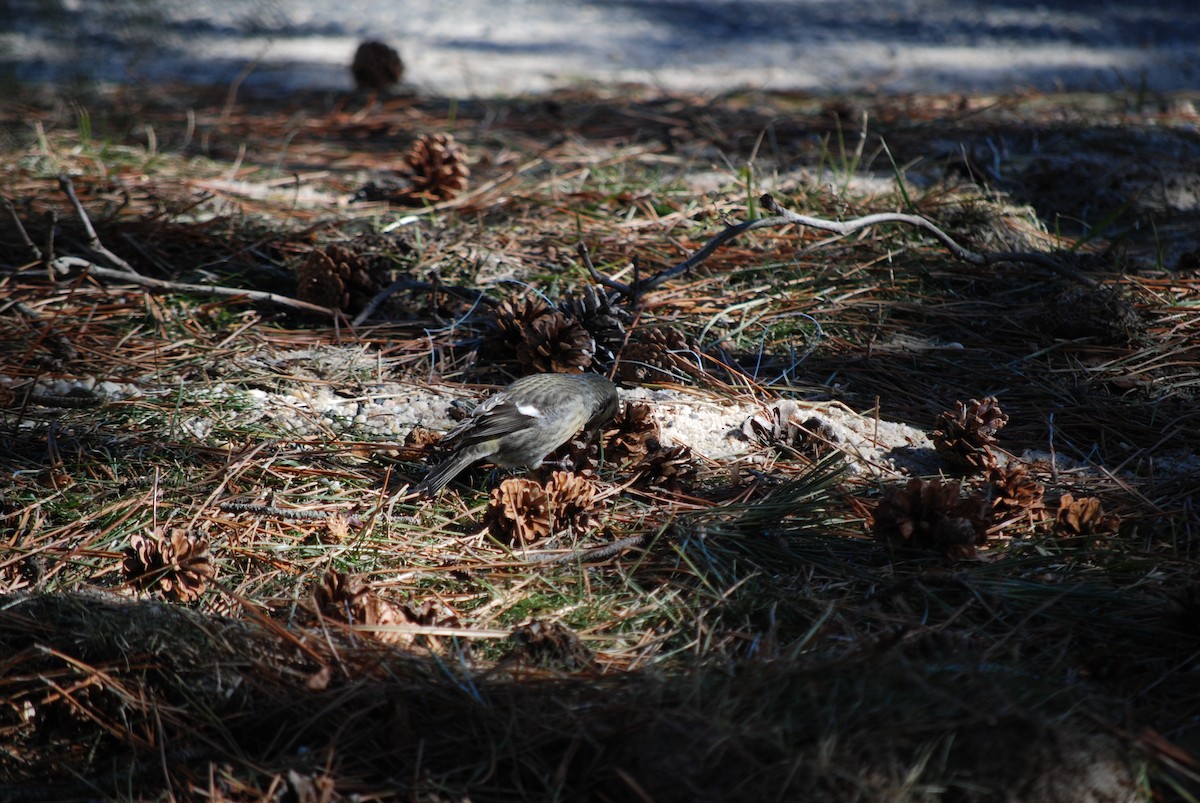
x: 964, y: 436
x: 933, y: 516
x: 175, y: 564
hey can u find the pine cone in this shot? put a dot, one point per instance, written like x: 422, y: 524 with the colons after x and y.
x: 1015, y: 494
x: 572, y: 500
x: 554, y: 343
x: 420, y: 443
x: 347, y: 598
x: 511, y: 319
x: 581, y: 453
x: 671, y: 469
x: 931, y: 515
x: 177, y: 565
x: 655, y: 355
x: 523, y: 510
x: 779, y: 427
x: 339, y: 277
x: 964, y: 436
x: 437, y: 168
x: 604, y: 316
x: 518, y: 512
x: 631, y: 435
x: 1086, y: 516
x: 376, y: 66
x: 1103, y: 313
x: 549, y: 645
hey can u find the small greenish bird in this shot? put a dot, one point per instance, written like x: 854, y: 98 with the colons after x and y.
x: 523, y: 423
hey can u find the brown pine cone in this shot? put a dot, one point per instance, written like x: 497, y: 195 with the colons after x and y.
x: 340, y: 278
x: 964, y: 436
x: 518, y: 511
x: 931, y: 515
x: 1015, y: 494
x: 175, y: 564
x: 437, y: 167
x: 1084, y: 516
x: 557, y: 344
x: 376, y: 66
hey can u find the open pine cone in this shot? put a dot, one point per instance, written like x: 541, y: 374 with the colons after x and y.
x: 572, y: 500
x: 518, y: 511
x: 669, y: 468
x: 1015, y: 494
x: 655, y: 355
x: 554, y: 343
x: 1104, y: 313
x: 1084, y: 516
x: 604, y: 316
x: 347, y: 598
x: 175, y: 564
x: 510, y: 320
x: 340, y: 278
x: 437, y: 167
x: 522, y: 510
x: 931, y: 515
x: 548, y: 645
x: 631, y: 434
x: 780, y: 427
x: 964, y: 436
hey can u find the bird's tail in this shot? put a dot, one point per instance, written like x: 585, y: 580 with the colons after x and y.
x: 440, y: 475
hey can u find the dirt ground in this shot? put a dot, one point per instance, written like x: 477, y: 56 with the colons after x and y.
x: 885, y: 515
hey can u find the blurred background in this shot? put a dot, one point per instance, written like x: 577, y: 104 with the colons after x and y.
x: 489, y: 47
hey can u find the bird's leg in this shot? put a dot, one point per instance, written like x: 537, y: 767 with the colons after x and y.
x: 564, y: 463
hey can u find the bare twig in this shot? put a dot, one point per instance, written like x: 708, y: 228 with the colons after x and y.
x: 48, y: 251
x: 289, y: 513
x: 67, y: 186
x: 596, y: 553
x: 784, y: 217
x: 125, y: 271
x: 409, y: 283
x: 24, y: 235
x: 965, y: 254
x: 65, y: 264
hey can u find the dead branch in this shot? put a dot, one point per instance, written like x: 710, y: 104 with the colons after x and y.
x: 94, y: 243
x: 21, y: 232
x: 125, y: 272
x: 409, y: 283
x: 65, y: 264
x: 784, y: 217
x: 594, y: 553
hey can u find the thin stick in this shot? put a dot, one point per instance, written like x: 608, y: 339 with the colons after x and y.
x: 16, y: 219
x: 596, y: 553
x: 409, y: 283
x: 67, y: 186
x: 64, y: 264
x: 785, y: 217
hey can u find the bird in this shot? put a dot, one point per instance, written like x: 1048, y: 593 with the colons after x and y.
x: 376, y: 66
x: 523, y: 423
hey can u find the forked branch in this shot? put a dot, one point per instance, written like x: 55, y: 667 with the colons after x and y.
x: 784, y: 217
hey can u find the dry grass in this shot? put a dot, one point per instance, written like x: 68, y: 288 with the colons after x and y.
x: 745, y: 638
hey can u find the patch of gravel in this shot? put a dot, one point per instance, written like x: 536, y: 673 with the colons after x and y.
x: 337, y: 392
x: 321, y: 393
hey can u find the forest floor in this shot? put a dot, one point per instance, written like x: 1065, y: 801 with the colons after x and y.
x: 881, y: 517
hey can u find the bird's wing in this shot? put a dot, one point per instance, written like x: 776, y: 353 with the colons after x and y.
x: 494, y: 418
